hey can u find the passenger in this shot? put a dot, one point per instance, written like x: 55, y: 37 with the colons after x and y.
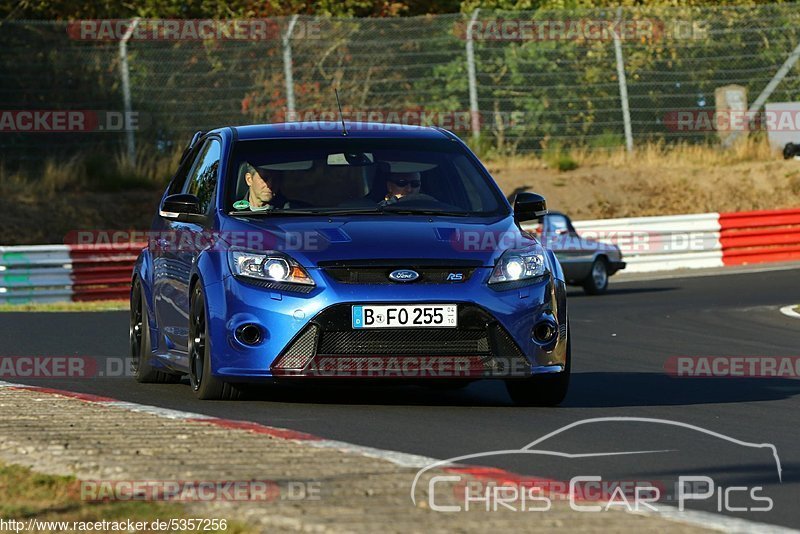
x: 400, y: 184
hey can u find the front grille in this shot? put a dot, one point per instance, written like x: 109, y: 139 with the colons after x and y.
x: 377, y: 271
x: 329, y: 337
x: 380, y: 275
x: 406, y: 342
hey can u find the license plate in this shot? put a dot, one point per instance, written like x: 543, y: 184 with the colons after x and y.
x: 406, y: 316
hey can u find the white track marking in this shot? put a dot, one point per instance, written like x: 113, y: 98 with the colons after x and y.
x: 789, y: 311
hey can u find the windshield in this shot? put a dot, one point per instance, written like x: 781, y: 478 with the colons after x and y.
x: 352, y: 176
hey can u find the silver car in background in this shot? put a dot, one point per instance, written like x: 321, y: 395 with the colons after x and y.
x: 585, y: 262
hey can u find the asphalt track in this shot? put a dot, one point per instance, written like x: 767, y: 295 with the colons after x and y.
x: 621, y: 343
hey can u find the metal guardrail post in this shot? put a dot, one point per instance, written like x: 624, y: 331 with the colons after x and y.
x: 623, y: 85
x: 473, y: 83
x: 126, y: 88
x: 287, y: 67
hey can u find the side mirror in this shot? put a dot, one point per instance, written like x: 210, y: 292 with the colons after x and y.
x: 181, y: 207
x: 528, y: 206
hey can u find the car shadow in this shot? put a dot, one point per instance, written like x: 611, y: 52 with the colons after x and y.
x: 587, y: 390
x: 389, y: 393
x: 612, y: 291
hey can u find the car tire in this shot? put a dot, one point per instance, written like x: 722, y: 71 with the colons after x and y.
x: 141, y: 347
x: 597, y: 280
x: 205, y: 385
x: 542, y: 390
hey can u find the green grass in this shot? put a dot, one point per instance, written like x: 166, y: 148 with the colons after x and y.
x: 25, y: 495
x: 560, y: 160
x: 607, y: 140
x: 91, y: 306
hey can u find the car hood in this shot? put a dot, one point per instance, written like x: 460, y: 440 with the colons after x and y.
x: 315, y: 240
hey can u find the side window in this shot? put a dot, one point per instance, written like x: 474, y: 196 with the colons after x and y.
x: 557, y: 224
x: 179, y: 180
x: 202, y: 180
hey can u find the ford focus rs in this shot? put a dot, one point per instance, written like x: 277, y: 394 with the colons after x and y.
x: 308, y: 251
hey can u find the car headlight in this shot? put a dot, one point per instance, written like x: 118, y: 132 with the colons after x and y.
x: 516, y: 265
x: 268, y: 266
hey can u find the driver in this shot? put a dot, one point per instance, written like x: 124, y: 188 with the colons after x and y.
x: 400, y: 184
x: 264, y: 190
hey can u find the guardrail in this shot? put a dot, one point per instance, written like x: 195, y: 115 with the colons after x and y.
x: 760, y: 236
x: 700, y: 240
x: 54, y: 273
x: 57, y: 273
x: 660, y: 243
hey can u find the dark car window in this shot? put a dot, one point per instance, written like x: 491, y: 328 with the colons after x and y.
x: 178, y: 182
x: 557, y: 224
x: 340, y: 174
x: 202, y: 180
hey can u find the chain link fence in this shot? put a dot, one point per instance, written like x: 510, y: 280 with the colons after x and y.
x: 509, y: 83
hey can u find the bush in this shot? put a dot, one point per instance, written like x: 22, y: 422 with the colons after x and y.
x: 558, y: 158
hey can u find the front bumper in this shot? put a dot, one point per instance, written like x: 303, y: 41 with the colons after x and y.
x: 615, y: 266
x: 309, y: 335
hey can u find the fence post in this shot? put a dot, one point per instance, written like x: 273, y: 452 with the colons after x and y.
x: 623, y: 85
x: 287, y: 68
x: 768, y: 90
x: 473, y: 83
x: 126, y: 89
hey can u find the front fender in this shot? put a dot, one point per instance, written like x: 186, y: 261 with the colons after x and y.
x: 211, y: 267
x: 143, y: 270
x: 143, y: 267
x: 555, y: 265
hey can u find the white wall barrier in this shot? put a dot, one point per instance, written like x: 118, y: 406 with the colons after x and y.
x: 660, y: 243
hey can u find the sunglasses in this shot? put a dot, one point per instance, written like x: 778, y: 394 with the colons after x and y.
x: 404, y: 182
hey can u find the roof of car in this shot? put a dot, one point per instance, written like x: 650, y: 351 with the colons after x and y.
x: 319, y: 129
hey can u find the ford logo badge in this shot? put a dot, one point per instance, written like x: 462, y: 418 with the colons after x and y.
x: 404, y: 275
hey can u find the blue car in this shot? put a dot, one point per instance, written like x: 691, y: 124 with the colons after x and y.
x: 359, y: 251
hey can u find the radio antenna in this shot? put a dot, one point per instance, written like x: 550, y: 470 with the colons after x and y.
x: 341, y: 116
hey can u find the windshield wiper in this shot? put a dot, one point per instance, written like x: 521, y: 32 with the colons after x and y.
x: 411, y: 211
x: 355, y: 211
x: 248, y: 213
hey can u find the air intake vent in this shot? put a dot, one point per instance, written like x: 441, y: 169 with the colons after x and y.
x: 300, y: 351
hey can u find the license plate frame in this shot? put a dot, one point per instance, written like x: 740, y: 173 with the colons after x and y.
x: 377, y: 316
